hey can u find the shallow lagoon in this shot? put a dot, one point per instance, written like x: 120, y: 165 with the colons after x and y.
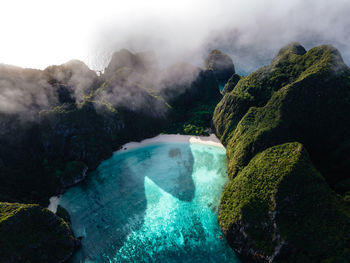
x: 156, y: 203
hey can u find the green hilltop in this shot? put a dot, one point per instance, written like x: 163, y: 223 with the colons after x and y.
x: 300, y: 97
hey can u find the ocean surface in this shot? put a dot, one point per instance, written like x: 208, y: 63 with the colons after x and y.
x: 156, y: 203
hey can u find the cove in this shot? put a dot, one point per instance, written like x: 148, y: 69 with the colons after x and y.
x: 154, y: 203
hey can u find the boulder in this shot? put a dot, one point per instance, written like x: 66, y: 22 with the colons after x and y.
x: 30, y: 233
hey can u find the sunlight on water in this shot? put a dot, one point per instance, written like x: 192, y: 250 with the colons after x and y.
x: 157, y: 203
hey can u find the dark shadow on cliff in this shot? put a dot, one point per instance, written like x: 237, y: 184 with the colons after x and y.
x: 111, y: 203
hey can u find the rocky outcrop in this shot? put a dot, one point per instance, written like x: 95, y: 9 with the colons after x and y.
x: 257, y: 88
x: 71, y: 81
x: 309, y: 106
x: 141, y: 62
x: 184, y: 85
x: 192, y: 93
x: 221, y: 65
x: 312, y: 108
x: 274, y: 209
x: 29, y: 233
x: 301, y: 96
x: 231, y: 83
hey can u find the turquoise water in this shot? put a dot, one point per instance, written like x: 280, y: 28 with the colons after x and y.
x: 157, y: 203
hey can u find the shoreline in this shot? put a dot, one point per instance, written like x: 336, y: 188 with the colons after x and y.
x: 211, y: 140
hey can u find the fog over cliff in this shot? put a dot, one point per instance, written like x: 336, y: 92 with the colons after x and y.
x: 37, y: 34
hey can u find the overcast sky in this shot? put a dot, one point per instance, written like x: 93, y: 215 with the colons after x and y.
x: 39, y: 33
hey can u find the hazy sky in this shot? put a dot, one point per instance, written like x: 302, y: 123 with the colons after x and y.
x: 39, y: 33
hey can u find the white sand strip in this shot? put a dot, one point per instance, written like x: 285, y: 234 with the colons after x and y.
x: 208, y: 140
x: 54, y: 200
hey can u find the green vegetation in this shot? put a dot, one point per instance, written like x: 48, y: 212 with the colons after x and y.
x: 291, y: 65
x: 304, y: 97
x: 312, y: 108
x: 193, y: 103
x: 29, y: 233
x: 281, y: 200
x: 197, y: 121
x: 231, y: 83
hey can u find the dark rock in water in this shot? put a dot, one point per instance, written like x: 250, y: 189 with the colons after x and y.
x: 29, y: 233
x: 78, y: 242
x: 280, y: 209
x: 221, y: 64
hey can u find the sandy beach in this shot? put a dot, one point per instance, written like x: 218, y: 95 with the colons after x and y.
x: 208, y: 140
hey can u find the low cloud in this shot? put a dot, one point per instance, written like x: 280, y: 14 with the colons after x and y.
x: 24, y: 91
x: 251, y: 31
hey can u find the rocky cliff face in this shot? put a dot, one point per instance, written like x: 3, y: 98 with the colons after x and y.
x: 192, y: 94
x: 184, y: 85
x: 142, y: 62
x: 301, y: 96
x: 231, y: 83
x: 310, y: 107
x: 83, y: 120
x: 280, y: 209
x: 29, y: 233
x: 221, y: 65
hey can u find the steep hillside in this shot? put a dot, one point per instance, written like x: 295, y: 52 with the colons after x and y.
x: 304, y: 97
x: 279, y: 208
x: 192, y: 94
x: 221, y: 65
x: 74, y: 119
x: 312, y: 107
